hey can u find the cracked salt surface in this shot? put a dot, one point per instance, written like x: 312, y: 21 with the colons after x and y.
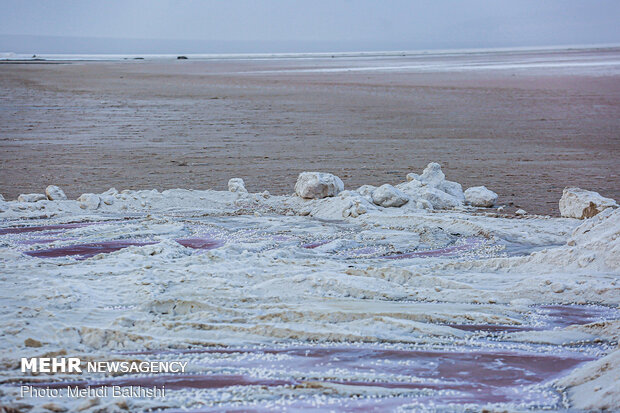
x: 279, y: 302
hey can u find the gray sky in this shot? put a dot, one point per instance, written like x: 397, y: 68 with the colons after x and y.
x: 169, y: 26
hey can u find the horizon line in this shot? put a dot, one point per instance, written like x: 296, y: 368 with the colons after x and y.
x: 9, y: 55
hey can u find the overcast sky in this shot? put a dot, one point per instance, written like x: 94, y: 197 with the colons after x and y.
x: 169, y: 26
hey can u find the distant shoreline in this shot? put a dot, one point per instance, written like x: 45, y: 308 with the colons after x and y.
x: 87, y: 57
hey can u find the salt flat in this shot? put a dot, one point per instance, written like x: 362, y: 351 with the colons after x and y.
x: 526, y: 123
x: 311, y: 304
x: 401, y: 292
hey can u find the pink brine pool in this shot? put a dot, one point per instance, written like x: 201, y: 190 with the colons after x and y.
x: 427, y: 377
x: 91, y: 249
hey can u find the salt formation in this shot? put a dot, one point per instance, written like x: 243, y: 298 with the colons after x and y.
x: 54, y: 193
x: 31, y: 197
x: 480, y: 196
x: 594, y: 387
x: 595, y: 245
x: 433, y: 177
x: 581, y: 204
x: 355, y: 205
x: 89, y: 201
x: 388, y: 196
x: 108, y: 197
x: 431, y: 189
x: 318, y: 185
x: 348, y: 204
x: 366, y: 191
x: 225, y: 272
x: 431, y: 197
x: 236, y: 185
x: 440, y: 199
x: 590, y: 251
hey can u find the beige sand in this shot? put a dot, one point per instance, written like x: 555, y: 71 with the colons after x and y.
x: 525, y: 133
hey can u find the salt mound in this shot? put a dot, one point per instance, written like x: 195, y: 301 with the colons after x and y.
x: 110, y: 192
x: 480, y: 196
x: 434, y: 177
x: 366, y: 191
x: 428, y: 197
x: 581, y: 204
x: 31, y: 197
x: 388, y: 196
x: 440, y: 199
x: 89, y: 201
x: 237, y: 185
x: 595, y: 244
x: 346, y: 204
x: 595, y: 385
x: 601, y: 235
x: 54, y: 193
x: 433, y: 188
x: 454, y: 189
x: 318, y: 185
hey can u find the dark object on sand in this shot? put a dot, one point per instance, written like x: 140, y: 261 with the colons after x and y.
x: 181, y: 57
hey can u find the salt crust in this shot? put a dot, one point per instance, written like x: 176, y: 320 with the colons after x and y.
x: 568, y: 261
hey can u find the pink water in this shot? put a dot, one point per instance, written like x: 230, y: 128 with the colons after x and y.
x: 91, y: 249
x: 43, y: 234
x: 468, y: 375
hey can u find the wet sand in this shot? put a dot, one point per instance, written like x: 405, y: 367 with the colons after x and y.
x: 523, y: 130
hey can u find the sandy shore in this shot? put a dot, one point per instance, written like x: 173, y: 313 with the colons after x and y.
x: 524, y: 124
